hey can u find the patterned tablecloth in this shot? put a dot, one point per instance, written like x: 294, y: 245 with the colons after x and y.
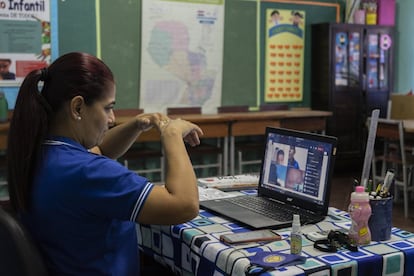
x: 194, y: 248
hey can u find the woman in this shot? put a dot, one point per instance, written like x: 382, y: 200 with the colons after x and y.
x: 80, y: 206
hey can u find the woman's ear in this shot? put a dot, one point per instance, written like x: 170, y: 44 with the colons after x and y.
x: 76, y: 105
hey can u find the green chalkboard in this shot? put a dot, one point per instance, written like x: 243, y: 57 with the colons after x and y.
x: 77, y: 26
x: 240, y: 55
x: 120, y: 41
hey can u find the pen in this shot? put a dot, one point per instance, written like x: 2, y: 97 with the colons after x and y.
x: 378, y: 189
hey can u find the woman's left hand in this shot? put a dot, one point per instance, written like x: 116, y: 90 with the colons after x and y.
x: 147, y: 121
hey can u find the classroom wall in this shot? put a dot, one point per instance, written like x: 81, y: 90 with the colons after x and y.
x: 120, y: 34
x: 120, y: 44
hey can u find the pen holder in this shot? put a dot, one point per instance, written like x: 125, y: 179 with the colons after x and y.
x: 380, y: 222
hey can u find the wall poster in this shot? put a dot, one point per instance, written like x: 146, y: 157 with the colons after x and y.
x: 181, y: 54
x: 25, y: 40
x: 284, y: 55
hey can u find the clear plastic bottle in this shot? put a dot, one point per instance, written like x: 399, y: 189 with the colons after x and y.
x: 359, y: 211
x: 296, y: 236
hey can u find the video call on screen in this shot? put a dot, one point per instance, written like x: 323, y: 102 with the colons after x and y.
x: 296, y: 165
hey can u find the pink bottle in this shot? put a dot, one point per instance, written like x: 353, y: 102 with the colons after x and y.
x: 359, y: 211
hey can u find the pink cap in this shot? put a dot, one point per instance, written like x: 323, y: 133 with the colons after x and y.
x: 359, y: 189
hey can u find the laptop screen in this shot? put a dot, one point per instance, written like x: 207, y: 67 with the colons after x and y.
x: 297, y: 168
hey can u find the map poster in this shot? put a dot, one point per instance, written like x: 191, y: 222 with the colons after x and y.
x: 284, y: 55
x: 182, y: 53
x: 24, y: 38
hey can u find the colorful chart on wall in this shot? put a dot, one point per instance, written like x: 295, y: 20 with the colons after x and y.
x: 181, y: 54
x: 284, y: 55
x: 25, y: 39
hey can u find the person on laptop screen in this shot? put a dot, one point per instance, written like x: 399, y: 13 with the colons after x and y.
x: 294, y: 179
x: 276, y: 165
x: 291, y: 161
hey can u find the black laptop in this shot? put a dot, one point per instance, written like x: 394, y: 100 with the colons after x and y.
x: 295, y: 178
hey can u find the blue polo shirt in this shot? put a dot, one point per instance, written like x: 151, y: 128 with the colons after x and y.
x: 83, y: 211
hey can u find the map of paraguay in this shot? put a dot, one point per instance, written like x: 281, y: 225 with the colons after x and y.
x: 169, y: 49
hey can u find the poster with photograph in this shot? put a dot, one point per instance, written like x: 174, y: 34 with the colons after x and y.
x: 25, y: 41
x: 284, y: 55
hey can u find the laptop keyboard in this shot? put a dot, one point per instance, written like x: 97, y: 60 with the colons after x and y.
x: 264, y: 207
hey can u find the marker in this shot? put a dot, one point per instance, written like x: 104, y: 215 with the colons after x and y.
x: 378, y: 188
x: 389, y: 178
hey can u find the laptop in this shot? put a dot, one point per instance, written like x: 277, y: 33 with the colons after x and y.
x: 295, y: 178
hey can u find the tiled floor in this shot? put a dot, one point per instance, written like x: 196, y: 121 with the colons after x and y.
x: 340, y: 196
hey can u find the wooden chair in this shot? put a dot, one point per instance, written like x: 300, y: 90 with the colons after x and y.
x: 272, y: 107
x: 142, y: 157
x: 392, y: 155
x: 183, y: 110
x: 232, y: 108
x: 253, y: 146
x: 243, y: 144
x: 198, y: 154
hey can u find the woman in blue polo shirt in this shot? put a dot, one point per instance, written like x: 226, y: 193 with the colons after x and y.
x: 79, y: 204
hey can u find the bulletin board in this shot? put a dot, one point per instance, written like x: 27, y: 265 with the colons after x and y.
x: 315, y: 12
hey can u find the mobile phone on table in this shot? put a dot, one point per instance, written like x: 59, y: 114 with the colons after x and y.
x: 251, y: 236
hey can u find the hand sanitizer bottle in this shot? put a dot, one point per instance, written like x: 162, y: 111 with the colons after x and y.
x: 296, y: 236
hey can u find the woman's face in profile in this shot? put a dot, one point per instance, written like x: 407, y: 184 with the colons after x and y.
x: 97, y: 119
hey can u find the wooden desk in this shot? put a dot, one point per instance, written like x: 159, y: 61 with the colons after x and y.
x: 409, y: 126
x: 255, y: 123
x: 213, y: 126
x: 230, y: 125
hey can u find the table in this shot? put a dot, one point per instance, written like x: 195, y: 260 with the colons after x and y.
x: 213, y: 126
x: 230, y: 125
x: 227, y: 126
x: 409, y: 126
x: 193, y: 248
x: 255, y: 123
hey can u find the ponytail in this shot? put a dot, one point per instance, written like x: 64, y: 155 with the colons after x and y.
x: 28, y: 128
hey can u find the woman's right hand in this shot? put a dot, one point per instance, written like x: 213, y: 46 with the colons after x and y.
x: 190, y: 132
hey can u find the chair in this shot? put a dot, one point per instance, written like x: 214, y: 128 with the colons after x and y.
x: 142, y: 156
x: 392, y: 155
x: 273, y: 107
x: 250, y: 145
x: 183, y: 110
x: 239, y: 146
x: 18, y: 253
x: 198, y: 154
x: 232, y: 108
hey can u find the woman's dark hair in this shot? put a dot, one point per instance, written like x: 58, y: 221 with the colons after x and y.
x: 68, y: 76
